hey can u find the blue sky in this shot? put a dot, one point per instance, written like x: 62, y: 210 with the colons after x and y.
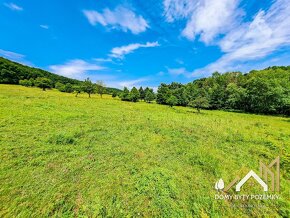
x: 134, y: 43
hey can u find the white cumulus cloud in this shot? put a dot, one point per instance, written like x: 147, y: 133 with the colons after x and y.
x: 75, y: 68
x: 119, y: 18
x: 268, y: 32
x: 204, y: 18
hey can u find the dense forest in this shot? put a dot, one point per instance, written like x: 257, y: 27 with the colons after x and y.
x: 259, y: 91
x: 12, y: 72
x: 265, y: 91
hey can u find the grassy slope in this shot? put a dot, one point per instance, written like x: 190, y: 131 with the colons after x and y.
x: 62, y: 155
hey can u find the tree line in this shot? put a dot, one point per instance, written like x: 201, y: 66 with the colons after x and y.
x: 266, y: 91
x: 87, y: 86
x: 135, y: 95
x: 259, y: 91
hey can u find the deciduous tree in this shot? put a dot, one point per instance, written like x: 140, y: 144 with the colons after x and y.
x: 134, y: 95
x: 125, y: 94
x: 149, y: 95
x: 43, y: 83
x: 88, y: 87
x: 142, y: 93
x: 199, y: 103
x: 172, y: 101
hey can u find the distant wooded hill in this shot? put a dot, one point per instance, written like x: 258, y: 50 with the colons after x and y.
x: 12, y: 72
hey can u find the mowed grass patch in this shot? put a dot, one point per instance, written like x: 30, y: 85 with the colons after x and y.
x: 64, y: 156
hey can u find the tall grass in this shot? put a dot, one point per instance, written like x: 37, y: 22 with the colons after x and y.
x: 64, y: 156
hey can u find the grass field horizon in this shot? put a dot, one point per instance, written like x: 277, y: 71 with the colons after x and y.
x: 67, y: 156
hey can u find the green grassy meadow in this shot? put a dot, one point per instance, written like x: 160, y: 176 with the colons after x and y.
x: 63, y: 156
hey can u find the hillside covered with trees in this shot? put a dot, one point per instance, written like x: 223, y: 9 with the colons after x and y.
x: 15, y: 73
x: 12, y: 72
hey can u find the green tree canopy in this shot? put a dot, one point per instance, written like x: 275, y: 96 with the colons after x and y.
x: 59, y: 86
x: 25, y: 82
x: 43, y: 83
x: 77, y: 89
x: 172, y: 101
x: 134, y: 95
x: 149, y: 95
x: 125, y: 94
x: 88, y: 87
x: 142, y: 93
x: 68, y: 88
x: 199, y: 103
x: 114, y: 94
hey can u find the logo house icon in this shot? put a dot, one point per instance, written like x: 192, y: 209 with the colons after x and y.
x: 256, y: 177
x: 265, y: 172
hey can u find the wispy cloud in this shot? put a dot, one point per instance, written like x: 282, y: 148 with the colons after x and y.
x: 138, y: 82
x: 131, y: 83
x: 160, y: 73
x: 119, y: 52
x: 103, y: 59
x: 178, y: 71
x: 120, y: 18
x: 75, y: 68
x: 13, y: 6
x: 204, y: 18
x: 268, y: 32
x: 179, y: 61
x: 43, y: 26
x: 11, y: 55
